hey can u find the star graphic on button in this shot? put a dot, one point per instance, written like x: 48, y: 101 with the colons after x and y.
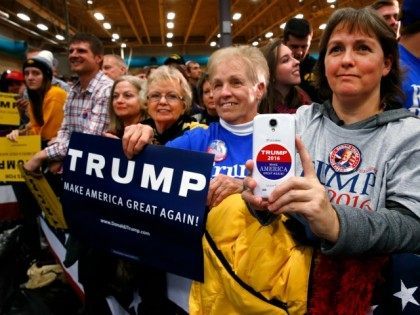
x: 406, y: 295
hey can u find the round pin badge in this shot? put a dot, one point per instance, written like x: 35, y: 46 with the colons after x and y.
x: 345, y: 158
x: 219, y: 149
x: 274, y: 161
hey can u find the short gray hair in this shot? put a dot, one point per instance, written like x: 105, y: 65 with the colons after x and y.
x: 256, y: 66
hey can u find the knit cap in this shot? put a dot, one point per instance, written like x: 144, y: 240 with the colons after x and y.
x: 43, y: 61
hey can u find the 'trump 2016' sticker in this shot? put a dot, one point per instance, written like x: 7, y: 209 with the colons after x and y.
x: 274, y: 161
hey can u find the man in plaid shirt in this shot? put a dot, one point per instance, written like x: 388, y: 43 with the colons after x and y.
x: 86, y: 109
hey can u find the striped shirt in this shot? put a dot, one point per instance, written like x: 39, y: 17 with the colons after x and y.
x: 85, y: 111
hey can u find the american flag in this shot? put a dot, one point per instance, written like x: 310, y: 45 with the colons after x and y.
x: 402, y: 290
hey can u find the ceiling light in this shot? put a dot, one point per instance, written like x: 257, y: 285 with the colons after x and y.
x: 323, y: 26
x: 99, y: 16
x: 332, y: 6
x: 113, y: 40
x: 169, y: 35
x: 283, y: 25
x: 213, y: 44
x: 59, y: 37
x: 299, y: 16
x: 255, y: 43
x: 330, y: 1
x: 107, y: 26
x: 89, y: 2
x: 170, y: 15
x: 218, y: 35
x: 269, y: 34
x: 42, y: 27
x: 123, y: 45
x: 4, y: 14
x: 170, y: 25
x: 169, y: 44
x: 23, y: 16
x: 116, y: 36
x: 236, y: 16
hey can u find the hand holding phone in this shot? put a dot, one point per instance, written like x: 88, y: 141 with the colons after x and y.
x: 274, y: 151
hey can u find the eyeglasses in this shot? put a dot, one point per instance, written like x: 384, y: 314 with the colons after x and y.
x: 170, y: 97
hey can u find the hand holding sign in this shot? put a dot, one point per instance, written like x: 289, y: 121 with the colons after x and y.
x: 305, y: 196
x: 135, y: 138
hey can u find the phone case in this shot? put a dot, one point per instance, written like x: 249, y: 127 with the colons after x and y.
x: 273, y: 151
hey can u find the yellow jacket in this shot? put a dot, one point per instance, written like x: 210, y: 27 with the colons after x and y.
x: 250, y: 268
x: 53, y: 112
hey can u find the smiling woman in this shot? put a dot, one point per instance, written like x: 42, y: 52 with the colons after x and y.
x: 168, y: 98
x: 283, y: 95
x: 126, y: 106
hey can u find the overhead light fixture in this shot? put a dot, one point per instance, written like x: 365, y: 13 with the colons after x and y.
x: 213, y: 44
x: 89, y: 2
x: 23, y: 16
x: 42, y: 27
x: 4, y: 14
x: 255, y: 43
x: 269, y: 34
x: 331, y: 1
x: 236, y: 16
x: 116, y: 36
x: 169, y: 35
x: 99, y: 16
x: 123, y: 45
x: 170, y: 15
x: 332, y: 6
x: 169, y: 44
x: 59, y: 37
x: 170, y: 25
x: 218, y: 35
x: 299, y: 16
x: 113, y: 40
x: 107, y: 26
x: 323, y: 26
x: 283, y: 25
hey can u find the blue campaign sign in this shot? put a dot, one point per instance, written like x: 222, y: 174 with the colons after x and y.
x: 150, y: 209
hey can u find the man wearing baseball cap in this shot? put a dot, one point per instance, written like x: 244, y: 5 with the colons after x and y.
x: 15, y: 81
x: 409, y: 49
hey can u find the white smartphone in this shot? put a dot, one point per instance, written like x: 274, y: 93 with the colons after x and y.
x: 273, y: 151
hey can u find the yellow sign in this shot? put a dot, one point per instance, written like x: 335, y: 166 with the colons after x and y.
x: 12, y: 153
x: 46, y: 198
x: 9, y: 114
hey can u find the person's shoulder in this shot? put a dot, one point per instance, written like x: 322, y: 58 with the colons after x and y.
x: 58, y: 82
x: 308, y: 63
x: 56, y: 92
x: 307, y: 114
x: 310, y: 110
x: 105, y: 80
x: 304, y: 97
x: 195, y: 124
x: 100, y: 85
x: 100, y: 80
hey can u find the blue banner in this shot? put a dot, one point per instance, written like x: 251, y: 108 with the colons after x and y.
x: 150, y: 209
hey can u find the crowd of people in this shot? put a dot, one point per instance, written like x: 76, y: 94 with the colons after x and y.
x: 325, y: 240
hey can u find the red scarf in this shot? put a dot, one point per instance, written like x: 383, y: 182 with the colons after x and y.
x: 343, y: 285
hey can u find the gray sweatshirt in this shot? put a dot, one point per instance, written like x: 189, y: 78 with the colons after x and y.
x: 376, y: 191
